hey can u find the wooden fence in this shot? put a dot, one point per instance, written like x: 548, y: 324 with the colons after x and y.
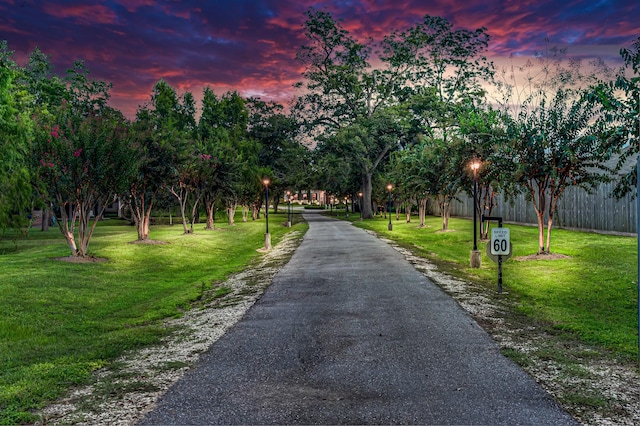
x: 577, y: 209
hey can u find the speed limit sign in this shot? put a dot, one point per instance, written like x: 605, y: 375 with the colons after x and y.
x: 500, y: 241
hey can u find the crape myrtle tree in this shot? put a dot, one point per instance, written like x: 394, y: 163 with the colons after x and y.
x: 556, y: 135
x: 15, y: 131
x: 82, y: 157
x: 218, y: 166
x: 159, y: 151
x: 239, y: 150
x: 408, y: 169
x: 175, y: 123
x: 443, y: 167
x: 553, y: 145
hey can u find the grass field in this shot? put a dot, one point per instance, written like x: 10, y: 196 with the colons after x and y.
x: 592, y: 292
x: 60, y: 321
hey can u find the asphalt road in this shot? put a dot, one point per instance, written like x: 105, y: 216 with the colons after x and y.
x: 350, y: 333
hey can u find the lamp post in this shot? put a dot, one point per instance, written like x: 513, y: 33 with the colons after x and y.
x: 288, y: 209
x: 475, y: 259
x: 389, y: 187
x: 267, y: 235
x: 346, y: 207
x: 360, y: 196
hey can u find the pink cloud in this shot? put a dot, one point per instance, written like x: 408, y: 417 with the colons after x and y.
x: 86, y: 14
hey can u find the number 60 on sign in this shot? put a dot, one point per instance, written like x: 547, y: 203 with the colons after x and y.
x: 500, y: 241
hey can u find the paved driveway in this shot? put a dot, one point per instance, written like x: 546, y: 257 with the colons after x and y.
x: 349, y: 332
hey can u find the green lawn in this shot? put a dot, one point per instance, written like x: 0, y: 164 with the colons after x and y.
x: 592, y: 293
x: 60, y: 321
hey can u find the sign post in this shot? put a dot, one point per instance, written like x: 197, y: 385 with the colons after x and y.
x: 499, y: 248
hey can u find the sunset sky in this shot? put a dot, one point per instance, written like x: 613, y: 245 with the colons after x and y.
x: 250, y: 45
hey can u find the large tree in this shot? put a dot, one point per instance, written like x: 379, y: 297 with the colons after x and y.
x: 343, y: 90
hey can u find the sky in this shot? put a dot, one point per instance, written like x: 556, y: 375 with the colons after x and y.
x: 250, y: 45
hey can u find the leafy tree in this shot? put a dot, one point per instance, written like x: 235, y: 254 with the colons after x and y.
x: 159, y: 151
x: 554, y: 145
x: 557, y: 133
x: 15, y: 130
x: 408, y: 170
x: 223, y: 133
x: 621, y: 100
x: 84, y: 161
x: 483, y: 133
x: 343, y: 90
x: 287, y: 160
x: 446, y: 69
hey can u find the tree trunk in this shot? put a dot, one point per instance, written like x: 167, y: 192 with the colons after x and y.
x: 141, y: 215
x: 66, y: 225
x: 182, y: 195
x: 366, y: 197
x: 397, y: 205
x: 194, y: 213
x: 552, y: 210
x: 540, y: 208
x: 231, y: 213
x: 85, y: 232
x: 245, y: 213
x: 408, y: 211
x: 46, y: 218
x: 209, y: 208
x: 422, y: 211
x: 143, y: 229
x: 444, y: 212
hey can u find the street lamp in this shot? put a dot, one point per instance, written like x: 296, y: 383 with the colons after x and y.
x: 346, y: 207
x: 360, y: 195
x: 475, y: 259
x: 288, y: 209
x: 389, y: 187
x: 267, y: 235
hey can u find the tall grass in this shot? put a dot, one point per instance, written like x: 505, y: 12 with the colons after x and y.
x: 60, y: 321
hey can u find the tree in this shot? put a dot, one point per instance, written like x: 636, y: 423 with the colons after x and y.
x: 84, y: 161
x: 408, y: 170
x: 159, y: 152
x: 287, y: 160
x: 557, y: 133
x: 343, y: 90
x: 621, y: 101
x: 483, y: 133
x: 15, y: 130
x: 554, y: 145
